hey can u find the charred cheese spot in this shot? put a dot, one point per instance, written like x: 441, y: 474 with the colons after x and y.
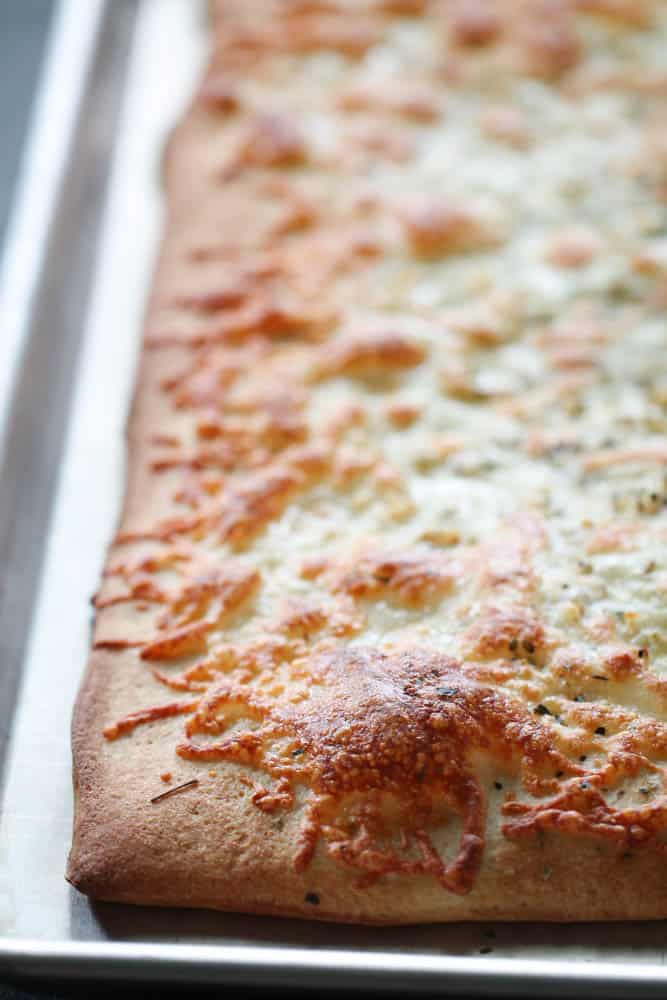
x: 547, y: 38
x: 253, y: 506
x: 219, y: 94
x: 181, y: 642
x: 273, y: 141
x: 416, y: 577
x: 474, y: 24
x: 635, y: 13
x: 301, y: 618
x: 245, y: 510
x: 349, y: 36
x: 367, y: 355
x: 402, y: 414
x: 213, y: 595
x: 435, y: 229
x: 146, y: 715
x: 403, y: 8
x: 513, y: 631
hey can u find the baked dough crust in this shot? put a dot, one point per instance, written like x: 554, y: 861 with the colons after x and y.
x: 384, y: 612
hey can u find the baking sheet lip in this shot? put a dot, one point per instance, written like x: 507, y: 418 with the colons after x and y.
x: 42, y: 174
x: 67, y: 70
x: 165, y: 960
x: 250, y: 963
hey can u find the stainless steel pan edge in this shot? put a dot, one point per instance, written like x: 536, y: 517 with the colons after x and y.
x: 333, y: 969
x: 71, y: 939
x: 44, y: 285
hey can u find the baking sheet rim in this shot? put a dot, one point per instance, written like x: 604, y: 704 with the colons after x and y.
x: 287, y: 964
x: 252, y: 964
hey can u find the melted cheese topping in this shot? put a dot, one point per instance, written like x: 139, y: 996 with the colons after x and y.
x: 407, y: 462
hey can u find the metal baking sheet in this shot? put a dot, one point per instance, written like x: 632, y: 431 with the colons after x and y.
x: 73, y: 376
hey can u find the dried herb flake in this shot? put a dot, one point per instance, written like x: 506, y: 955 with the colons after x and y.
x: 175, y: 791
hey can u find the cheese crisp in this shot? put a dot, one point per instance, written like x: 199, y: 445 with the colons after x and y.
x: 382, y: 637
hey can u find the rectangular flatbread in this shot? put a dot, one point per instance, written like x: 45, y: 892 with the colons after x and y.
x: 381, y: 637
